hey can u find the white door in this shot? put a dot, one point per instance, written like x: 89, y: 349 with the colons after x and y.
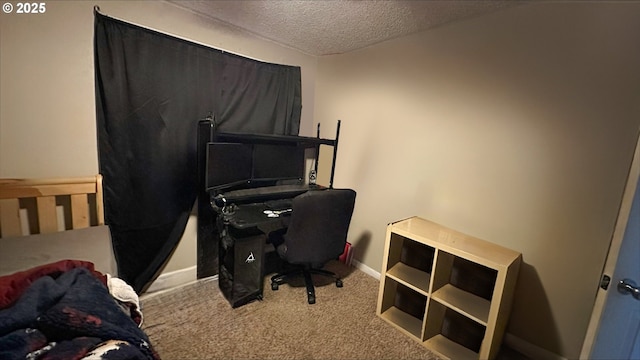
x: 614, y: 330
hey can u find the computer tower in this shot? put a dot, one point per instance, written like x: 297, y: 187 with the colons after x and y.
x: 240, y: 276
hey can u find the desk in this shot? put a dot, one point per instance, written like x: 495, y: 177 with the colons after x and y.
x: 209, y: 168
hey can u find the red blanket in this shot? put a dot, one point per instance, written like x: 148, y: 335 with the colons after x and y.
x: 12, y: 286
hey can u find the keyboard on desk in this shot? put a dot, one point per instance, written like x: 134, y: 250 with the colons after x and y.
x: 279, y: 204
x: 266, y: 193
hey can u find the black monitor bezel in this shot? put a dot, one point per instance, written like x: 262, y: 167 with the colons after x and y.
x: 209, y: 166
x: 296, y: 163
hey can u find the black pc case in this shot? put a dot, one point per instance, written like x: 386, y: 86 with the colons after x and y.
x: 241, y: 259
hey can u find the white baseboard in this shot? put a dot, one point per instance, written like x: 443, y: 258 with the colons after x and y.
x: 365, y: 269
x: 173, y: 279
x: 184, y: 276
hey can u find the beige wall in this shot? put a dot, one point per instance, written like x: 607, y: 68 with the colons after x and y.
x: 47, y: 105
x: 517, y: 127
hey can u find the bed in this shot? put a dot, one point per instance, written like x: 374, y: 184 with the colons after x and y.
x: 60, y: 297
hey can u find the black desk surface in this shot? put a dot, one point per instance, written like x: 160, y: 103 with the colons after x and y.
x: 251, y: 215
x: 266, y: 193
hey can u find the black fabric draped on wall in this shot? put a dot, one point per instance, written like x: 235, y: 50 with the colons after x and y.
x: 151, y: 91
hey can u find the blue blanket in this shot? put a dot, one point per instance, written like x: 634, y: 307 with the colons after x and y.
x: 65, y: 318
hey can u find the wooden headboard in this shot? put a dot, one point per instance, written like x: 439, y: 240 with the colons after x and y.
x: 40, y: 206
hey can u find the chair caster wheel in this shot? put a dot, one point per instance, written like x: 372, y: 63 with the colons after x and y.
x: 338, y: 283
x: 274, y: 286
x: 311, y: 299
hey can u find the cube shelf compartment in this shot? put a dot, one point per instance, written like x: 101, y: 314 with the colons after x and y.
x: 449, y: 291
x: 404, y: 307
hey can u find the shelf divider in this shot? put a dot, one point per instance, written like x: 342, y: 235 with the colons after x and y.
x: 466, y: 303
x: 411, y: 277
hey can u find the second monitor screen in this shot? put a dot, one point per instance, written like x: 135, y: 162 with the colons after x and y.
x: 278, y: 162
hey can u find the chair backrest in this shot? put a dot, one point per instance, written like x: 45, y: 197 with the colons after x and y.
x: 318, y: 226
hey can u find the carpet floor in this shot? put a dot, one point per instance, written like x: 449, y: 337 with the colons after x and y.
x: 195, y: 321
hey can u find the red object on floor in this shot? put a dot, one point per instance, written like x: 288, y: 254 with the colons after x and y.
x: 347, y: 255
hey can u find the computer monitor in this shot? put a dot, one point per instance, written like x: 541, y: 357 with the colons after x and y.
x: 228, y: 165
x: 233, y: 164
x: 277, y: 162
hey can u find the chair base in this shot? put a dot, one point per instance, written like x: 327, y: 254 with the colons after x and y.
x: 283, y: 277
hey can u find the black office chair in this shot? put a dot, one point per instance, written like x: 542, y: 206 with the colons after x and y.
x: 317, y: 233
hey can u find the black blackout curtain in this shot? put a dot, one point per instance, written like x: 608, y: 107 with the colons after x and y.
x: 151, y: 91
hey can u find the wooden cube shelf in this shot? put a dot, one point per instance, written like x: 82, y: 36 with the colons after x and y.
x: 450, y: 291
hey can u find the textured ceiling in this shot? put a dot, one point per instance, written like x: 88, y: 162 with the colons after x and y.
x: 322, y: 27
